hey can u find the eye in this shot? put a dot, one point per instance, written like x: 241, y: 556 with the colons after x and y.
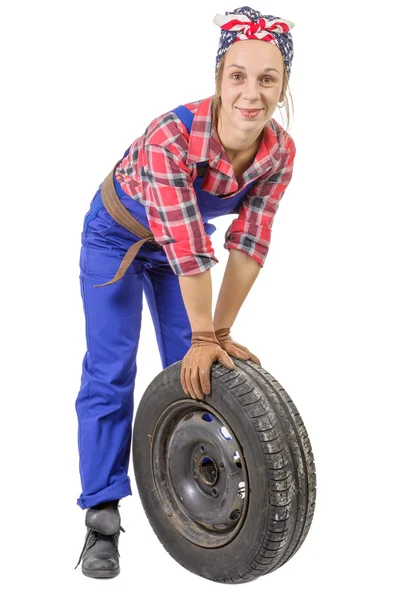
x: 270, y: 79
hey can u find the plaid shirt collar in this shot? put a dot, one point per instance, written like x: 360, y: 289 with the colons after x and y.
x: 205, y: 145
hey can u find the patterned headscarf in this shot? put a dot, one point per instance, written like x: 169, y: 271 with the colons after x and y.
x: 248, y: 24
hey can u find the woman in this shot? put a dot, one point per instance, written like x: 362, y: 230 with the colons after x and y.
x: 223, y: 154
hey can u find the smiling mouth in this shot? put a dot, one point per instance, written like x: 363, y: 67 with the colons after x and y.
x: 249, y: 113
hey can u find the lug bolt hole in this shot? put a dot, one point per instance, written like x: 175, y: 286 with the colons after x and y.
x: 235, y: 514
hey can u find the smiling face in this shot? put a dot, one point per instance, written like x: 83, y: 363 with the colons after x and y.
x: 252, y: 79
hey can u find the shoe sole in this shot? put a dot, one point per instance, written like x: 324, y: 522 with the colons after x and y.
x: 101, y: 572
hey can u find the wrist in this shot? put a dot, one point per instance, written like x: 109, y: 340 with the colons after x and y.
x: 223, y: 334
x: 221, y: 330
x: 204, y: 336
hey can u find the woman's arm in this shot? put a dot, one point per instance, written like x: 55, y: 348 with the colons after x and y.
x: 205, y: 348
x: 251, y: 231
x: 248, y: 239
x: 240, y: 273
x: 197, y: 297
x: 171, y: 203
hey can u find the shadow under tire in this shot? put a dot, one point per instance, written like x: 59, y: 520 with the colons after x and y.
x: 228, y: 484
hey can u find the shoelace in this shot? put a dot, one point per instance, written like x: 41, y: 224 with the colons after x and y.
x: 98, y: 536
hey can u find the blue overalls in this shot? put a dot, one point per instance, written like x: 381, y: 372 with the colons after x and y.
x: 113, y: 315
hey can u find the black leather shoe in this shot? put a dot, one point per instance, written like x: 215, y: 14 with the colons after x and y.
x: 100, y: 556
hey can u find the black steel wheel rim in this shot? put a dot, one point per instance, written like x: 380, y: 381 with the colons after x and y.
x: 199, y: 473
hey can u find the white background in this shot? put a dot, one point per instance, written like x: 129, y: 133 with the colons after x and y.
x: 80, y: 81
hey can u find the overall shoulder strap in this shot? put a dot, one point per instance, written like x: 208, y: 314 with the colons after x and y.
x: 186, y: 116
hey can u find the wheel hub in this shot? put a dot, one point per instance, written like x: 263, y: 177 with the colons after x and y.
x: 200, y: 473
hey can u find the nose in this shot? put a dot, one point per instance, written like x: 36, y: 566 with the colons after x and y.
x: 251, y: 92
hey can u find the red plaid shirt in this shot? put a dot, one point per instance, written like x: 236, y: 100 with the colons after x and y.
x: 159, y: 171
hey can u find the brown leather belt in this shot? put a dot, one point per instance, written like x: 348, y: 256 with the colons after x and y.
x: 119, y: 213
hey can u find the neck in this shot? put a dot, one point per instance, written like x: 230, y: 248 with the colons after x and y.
x: 236, y: 142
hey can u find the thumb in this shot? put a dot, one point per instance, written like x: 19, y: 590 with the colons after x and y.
x: 226, y: 360
x: 233, y: 350
x: 239, y: 353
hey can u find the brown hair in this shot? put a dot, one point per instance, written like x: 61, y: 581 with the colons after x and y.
x: 216, y: 99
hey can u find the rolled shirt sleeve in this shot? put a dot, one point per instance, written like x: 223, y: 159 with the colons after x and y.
x: 251, y: 230
x: 171, y: 202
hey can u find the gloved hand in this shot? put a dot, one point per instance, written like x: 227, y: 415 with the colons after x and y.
x: 233, y: 348
x: 196, y: 364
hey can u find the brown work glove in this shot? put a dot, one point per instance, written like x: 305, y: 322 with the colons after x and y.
x: 233, y: 348
x: 196, y: 364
